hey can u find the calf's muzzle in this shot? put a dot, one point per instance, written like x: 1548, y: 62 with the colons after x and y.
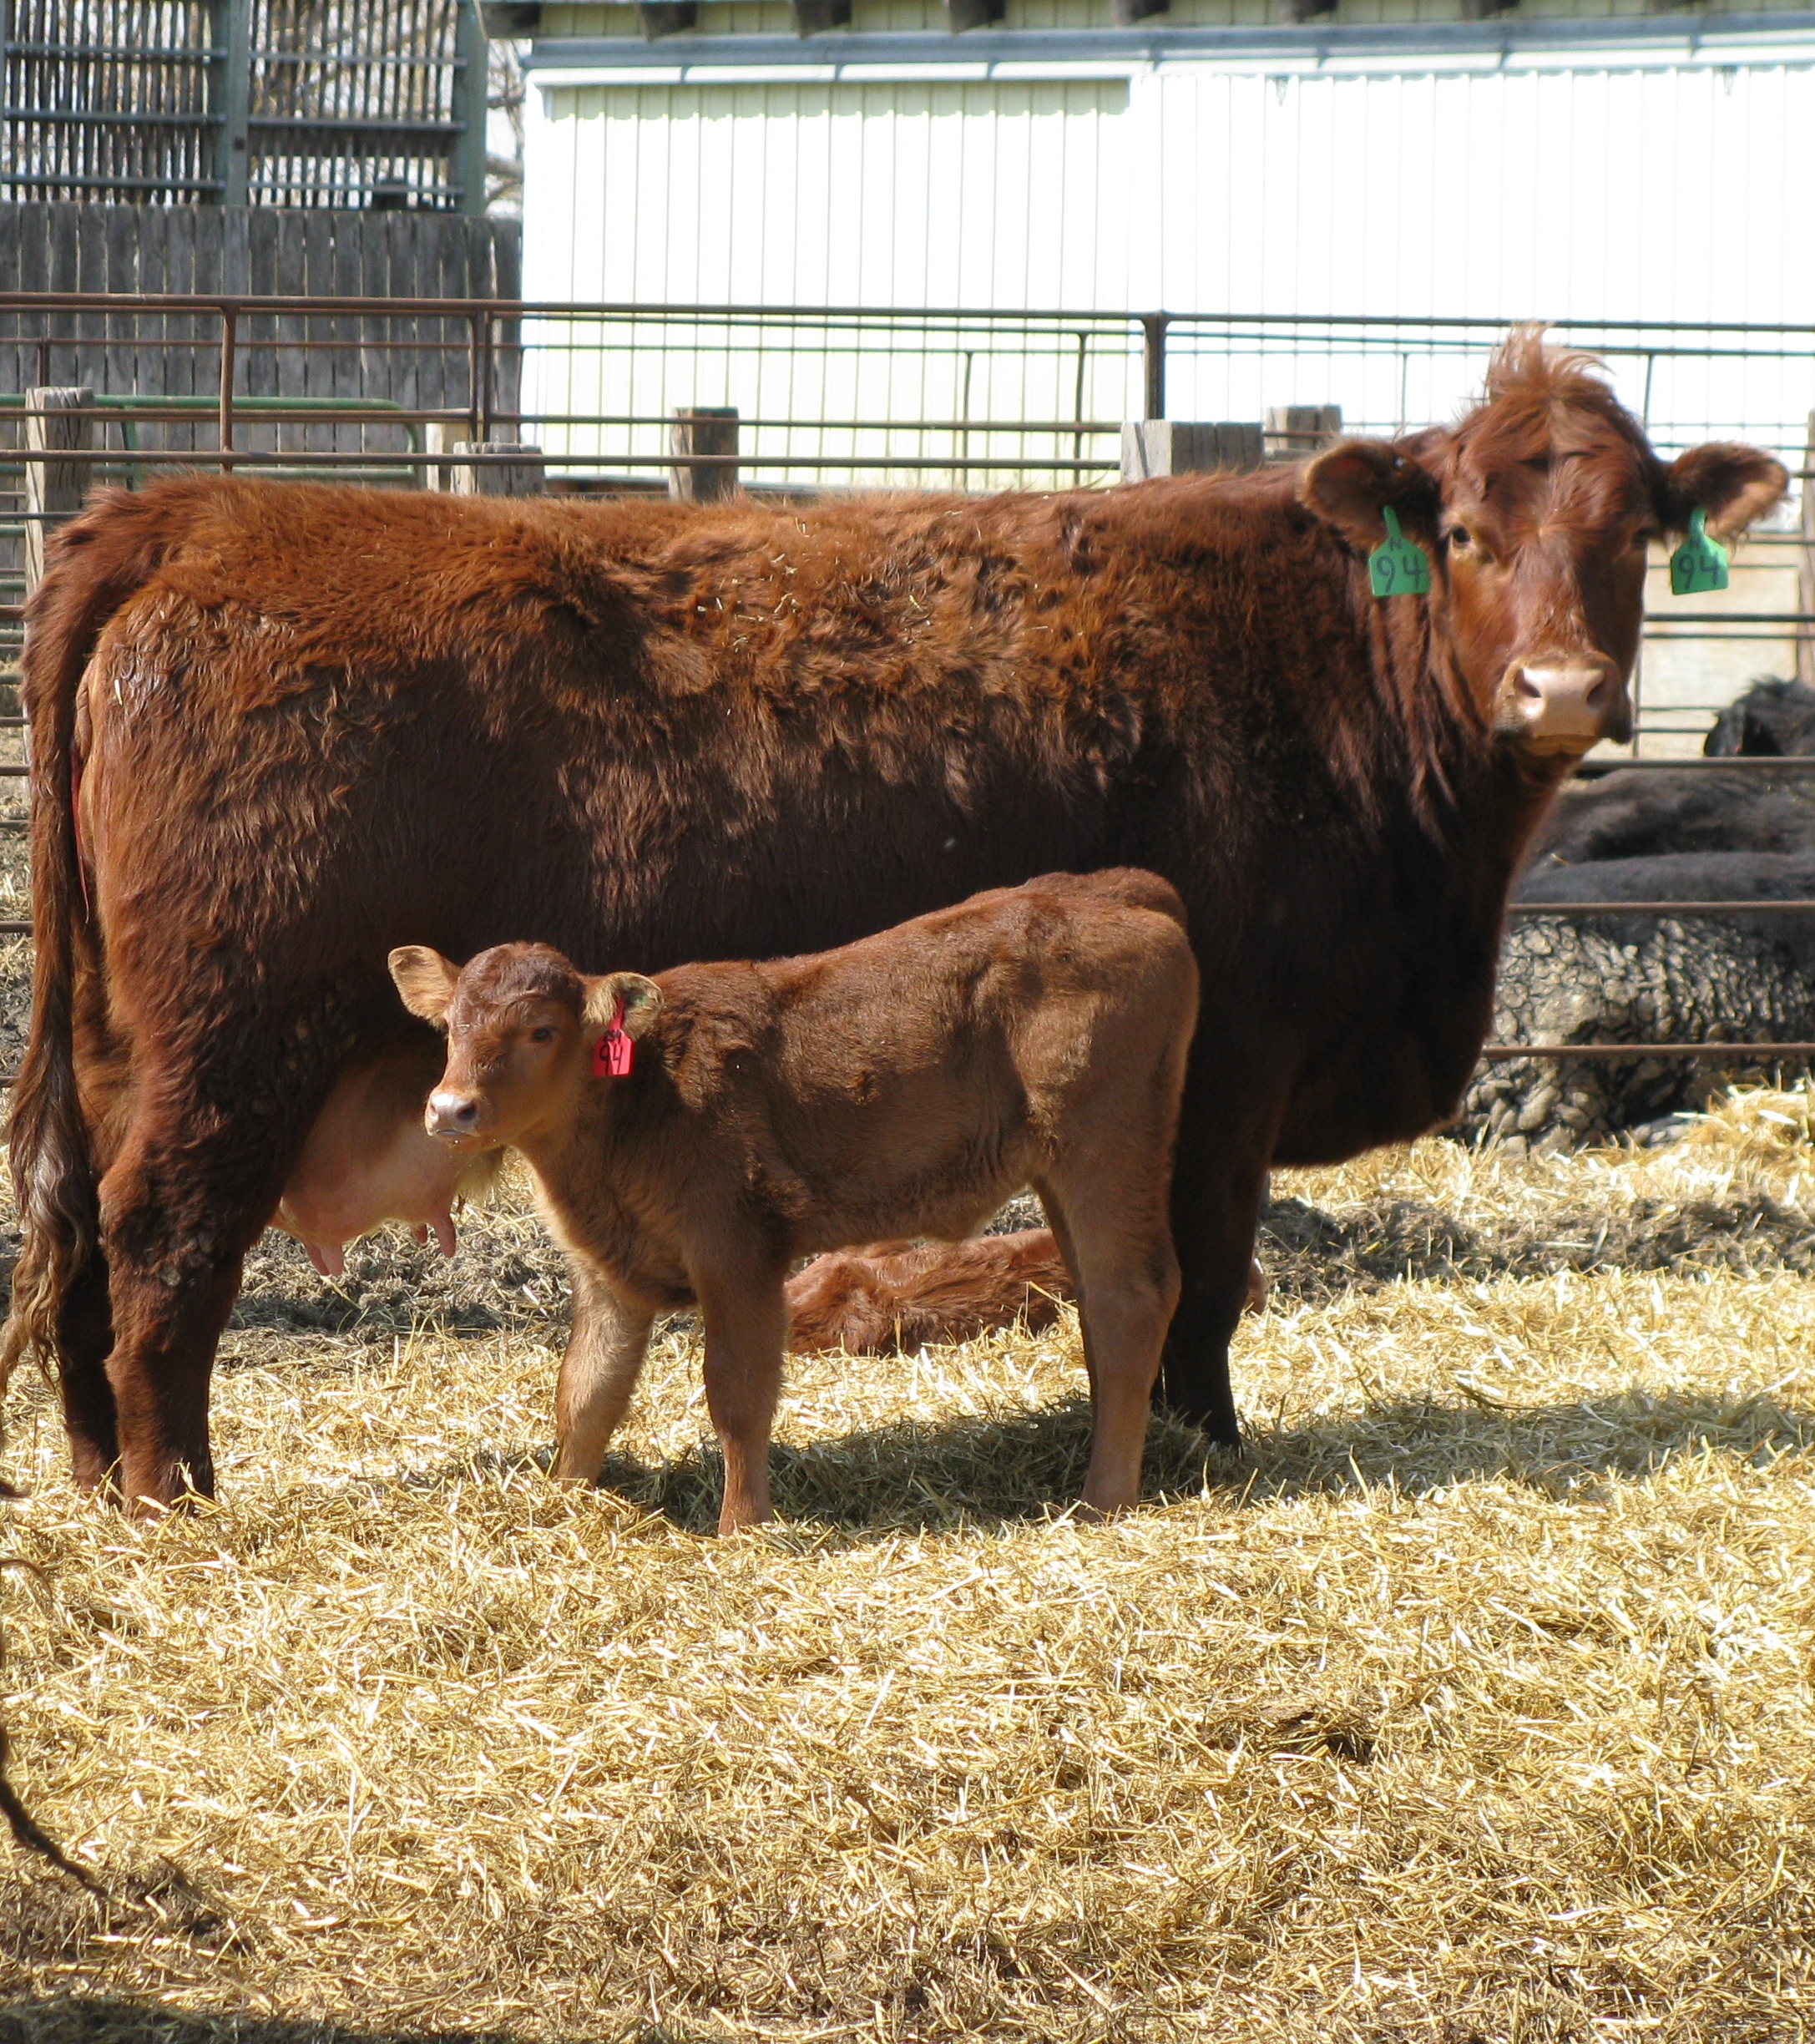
x: 451, y: 1115
x: 1568, y: 705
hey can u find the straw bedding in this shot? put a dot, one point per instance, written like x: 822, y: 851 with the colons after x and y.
x: 1474, y: 1704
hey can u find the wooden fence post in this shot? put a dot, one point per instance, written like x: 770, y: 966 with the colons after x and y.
x: 1295, y: 430
x: 524, y: 477
x: 703, y: 429
x: 1181, y: 447
x: 54, y: 418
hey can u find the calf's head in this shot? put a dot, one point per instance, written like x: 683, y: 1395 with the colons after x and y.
x: 521, y: 1026
x: 1537, y: 511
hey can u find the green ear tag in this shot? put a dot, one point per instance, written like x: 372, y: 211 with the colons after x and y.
x: 1397, y: 567
x: 1700, y: 562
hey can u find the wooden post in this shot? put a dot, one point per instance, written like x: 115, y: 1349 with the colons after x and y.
x: 1295, y: 430
x: 1177, y: 446
x: 525, y: 476
x: 703, y: 429
x: 54, y: 418
x: 438, y: 441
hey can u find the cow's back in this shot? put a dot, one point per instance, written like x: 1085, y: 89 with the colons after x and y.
x: 907, y: 1081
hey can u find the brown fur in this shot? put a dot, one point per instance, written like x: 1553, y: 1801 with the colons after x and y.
x: 909, y: 1081
x: 311, y: 724
x: 893, y: 1297
x: 901, y: 1295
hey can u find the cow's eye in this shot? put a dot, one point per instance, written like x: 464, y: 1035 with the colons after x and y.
x: 1459, y: 536
x: 542, y: 1034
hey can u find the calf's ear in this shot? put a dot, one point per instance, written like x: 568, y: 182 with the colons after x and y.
x: 425, y: 979
x: 642, y: 1001
x: 1347, y: 485
x: 1731, y: 484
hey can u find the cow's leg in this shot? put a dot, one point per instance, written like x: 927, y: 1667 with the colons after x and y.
x: 187, y: 1196
x: 1215, y: 1209
x: 1118, y: 1249
x: 84, y: 1335
x: 746, y: 1320
x: 598, y: 1372
x: 166, y: 1332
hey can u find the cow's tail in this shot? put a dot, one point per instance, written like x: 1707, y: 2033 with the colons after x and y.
x: 96, y: 563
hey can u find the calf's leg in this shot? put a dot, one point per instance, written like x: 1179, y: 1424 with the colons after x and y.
x: 1120, y: 1257
x: 598, y: 1372
x: 746, y: 1315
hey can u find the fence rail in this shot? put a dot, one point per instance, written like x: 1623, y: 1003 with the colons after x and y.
x: 619, y: 397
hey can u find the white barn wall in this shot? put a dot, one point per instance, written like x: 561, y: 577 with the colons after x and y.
x: 1674, y: 194
x: 905, y: 193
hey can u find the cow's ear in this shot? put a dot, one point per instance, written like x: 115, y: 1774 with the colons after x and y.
x: 425, y: 979
x: 642, y: 1001
x: 1347, y: 485
x: 1731, y: 485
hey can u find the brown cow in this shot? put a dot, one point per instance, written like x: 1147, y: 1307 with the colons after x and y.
x: 307, y: 725
x: 368, y: 1159
x: 1033, y: 1035
x: 892, y: 1296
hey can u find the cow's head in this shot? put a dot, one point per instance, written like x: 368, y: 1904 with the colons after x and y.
x: 521, y: 1026
x: 1537, y: 511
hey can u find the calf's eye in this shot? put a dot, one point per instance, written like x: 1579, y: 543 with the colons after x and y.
x: 543, y: 1034
x: 1459, y: 538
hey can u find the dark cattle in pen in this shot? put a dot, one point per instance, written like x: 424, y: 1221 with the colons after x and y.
x: 304, y: 725
x: 1773, y: 719
x: 1685, y: 979
x: 1639, y: 813
x: 1032, y: 1035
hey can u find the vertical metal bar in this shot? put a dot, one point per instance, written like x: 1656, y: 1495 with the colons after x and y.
x: 1153, y: 326
x: 229, y: 336
x: 1077, y: 402
x: 486, y: 398
x: 471, y: 59
x: 233, y: 99
x: 472, y: 378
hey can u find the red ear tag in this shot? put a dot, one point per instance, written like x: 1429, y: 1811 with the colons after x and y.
x: 612, y: 1053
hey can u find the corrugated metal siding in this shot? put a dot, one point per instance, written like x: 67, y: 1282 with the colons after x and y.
x: 908, y: 192
x: 900, y: 193
x: 1662, y: 195
x: 1624, y: 193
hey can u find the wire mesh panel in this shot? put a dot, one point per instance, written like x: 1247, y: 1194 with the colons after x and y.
x: 110, y: 100
x: 352, y: 104
x: 314, y: 102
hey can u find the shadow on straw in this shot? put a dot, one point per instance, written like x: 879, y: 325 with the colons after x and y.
x: 105, y: 2019
x: 920, y: 1475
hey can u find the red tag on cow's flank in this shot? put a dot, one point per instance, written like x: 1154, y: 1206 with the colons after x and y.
x: 611, y: 1054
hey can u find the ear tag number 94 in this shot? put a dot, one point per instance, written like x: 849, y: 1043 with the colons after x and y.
x: 1700, y: 562
x: 1397, y: 567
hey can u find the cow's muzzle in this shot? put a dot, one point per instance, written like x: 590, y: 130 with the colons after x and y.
x: 1566, y: 706
x: 452, y: 1116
